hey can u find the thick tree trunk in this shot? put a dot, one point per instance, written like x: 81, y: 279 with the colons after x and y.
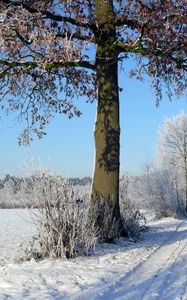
x: 105, y: 185
x: 107, y: 139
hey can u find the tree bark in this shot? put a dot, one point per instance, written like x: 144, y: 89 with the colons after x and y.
x: 105, y: 184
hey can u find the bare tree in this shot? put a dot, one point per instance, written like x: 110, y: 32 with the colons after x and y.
x: 53, y: 51
x: 173, y: 145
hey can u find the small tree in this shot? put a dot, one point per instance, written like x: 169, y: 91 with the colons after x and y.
x: 52, y: 51
x: 173, y: 146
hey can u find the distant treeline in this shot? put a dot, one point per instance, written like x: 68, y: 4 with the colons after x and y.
x: 16, y: 182
x: 14, y: 190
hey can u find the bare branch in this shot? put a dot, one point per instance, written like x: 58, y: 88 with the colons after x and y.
x: 52, y: 16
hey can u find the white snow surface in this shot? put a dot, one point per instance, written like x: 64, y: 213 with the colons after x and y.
x: 153, y: 268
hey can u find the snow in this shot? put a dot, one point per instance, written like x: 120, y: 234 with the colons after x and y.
x: 153, y: 268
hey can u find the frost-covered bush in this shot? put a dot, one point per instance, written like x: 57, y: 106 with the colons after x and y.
x: 133, y: 220
x: 64, y: 229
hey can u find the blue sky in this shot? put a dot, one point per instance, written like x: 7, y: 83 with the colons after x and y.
x: 68, y: 147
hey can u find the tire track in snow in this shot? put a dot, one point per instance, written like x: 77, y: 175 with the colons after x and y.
x: 163, y: 287
x: 148, y: 280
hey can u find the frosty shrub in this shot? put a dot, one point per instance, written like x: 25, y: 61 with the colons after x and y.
x: 133, y: 220
x: 64, y: 229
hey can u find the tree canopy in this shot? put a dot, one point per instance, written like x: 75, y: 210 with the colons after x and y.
x: 48, y: 51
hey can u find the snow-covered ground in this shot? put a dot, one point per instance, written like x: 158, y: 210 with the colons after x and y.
x: 154, y: 268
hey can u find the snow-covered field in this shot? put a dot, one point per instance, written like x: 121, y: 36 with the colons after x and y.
x: 154, y: 268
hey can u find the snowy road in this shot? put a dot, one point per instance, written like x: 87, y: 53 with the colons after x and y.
x: 154, y: 268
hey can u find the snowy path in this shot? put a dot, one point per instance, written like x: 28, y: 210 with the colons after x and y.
x: 152, y: 269
x: 163, y: 275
